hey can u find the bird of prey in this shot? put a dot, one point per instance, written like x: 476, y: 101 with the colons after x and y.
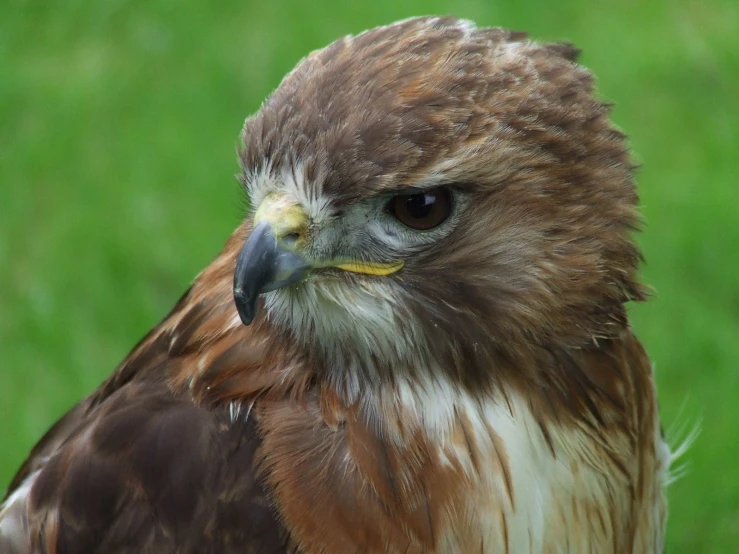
x: 415, y: 342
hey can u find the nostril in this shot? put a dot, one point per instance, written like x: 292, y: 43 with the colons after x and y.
x: 290, y: 239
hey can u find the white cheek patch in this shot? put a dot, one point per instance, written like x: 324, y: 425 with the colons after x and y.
x: 359, y: 326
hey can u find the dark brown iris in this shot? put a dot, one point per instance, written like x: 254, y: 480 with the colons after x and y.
x: 422, y: 211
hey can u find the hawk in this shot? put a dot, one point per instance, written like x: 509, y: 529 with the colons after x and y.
x: 416, y: 342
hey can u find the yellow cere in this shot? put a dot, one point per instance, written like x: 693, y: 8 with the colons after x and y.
x: 371, y: 268
x: 283, y: 215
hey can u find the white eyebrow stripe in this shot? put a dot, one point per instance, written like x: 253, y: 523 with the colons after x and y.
x: 309, y: 194
x: 291, y: 179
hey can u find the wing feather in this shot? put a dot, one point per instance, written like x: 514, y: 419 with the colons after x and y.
x: 142, y: 465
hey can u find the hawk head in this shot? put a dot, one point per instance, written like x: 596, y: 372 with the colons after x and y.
x: 432, y: 197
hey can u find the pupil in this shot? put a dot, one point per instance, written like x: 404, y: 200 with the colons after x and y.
x: 419, y: 206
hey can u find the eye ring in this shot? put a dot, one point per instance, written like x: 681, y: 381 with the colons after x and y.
x: 422, y: 210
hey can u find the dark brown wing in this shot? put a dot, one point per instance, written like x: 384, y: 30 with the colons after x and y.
x: 141, y: 466
x: 152, y: 472
x: 151, y: 348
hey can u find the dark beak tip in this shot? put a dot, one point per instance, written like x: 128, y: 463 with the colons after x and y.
x: 245, y: 306
x: 262, y: 266
x: 246, y: 320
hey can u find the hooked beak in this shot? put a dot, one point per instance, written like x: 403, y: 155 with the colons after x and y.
x: 271, y: 257
x: 263, y: 265
x: 268, y: 259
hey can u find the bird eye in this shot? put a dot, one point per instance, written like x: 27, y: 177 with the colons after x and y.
x: 421, y: 211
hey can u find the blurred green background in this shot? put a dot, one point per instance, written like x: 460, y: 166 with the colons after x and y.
x: 118, y: 126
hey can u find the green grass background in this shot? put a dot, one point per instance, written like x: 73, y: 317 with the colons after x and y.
x: 118, y: 125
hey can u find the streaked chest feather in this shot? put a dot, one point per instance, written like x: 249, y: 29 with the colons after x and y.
x: 522, y: 488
